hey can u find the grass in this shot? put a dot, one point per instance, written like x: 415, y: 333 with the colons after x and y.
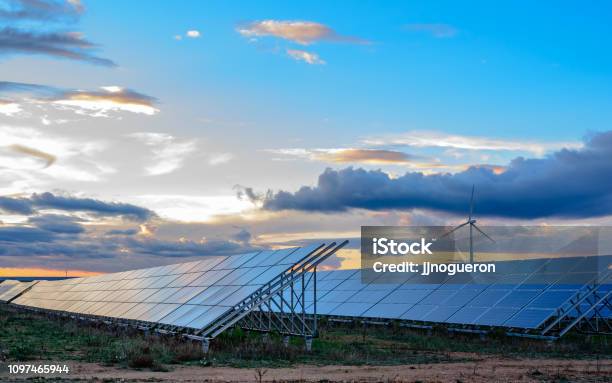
x: 28, y: 336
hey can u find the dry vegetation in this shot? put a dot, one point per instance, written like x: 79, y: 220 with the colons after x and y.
x: 35, y: 337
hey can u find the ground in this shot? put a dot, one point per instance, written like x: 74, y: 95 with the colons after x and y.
x: 391, y: 354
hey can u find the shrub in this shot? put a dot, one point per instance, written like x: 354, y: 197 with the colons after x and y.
x: 23, y: 351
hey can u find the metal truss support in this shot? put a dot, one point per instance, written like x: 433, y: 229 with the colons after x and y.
x: 205, y: 345
x: 281, y: 304
x: 583, y: 311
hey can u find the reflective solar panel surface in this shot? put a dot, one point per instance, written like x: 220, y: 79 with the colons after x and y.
x: 9, y: 289
x: 524, y: 297
x: 190, y: 295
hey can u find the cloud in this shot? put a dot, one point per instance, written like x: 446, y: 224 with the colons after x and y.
x: 45, y: 15
x: 194, y: 34
x: 357, y: 156
x: 350, y: 155
x: 61, y: 224
x: 190, y: 34
x: 168, y: 153
x: 64, y: 249
x: 123, y: 232
x: 368, y: 156
x: 67, y: 45
x: 243, y: 236
x: 220, y: 158
x: 436, y: 30
x: 48, y: 159
x: 15, y: 205
x: 244, y: 193
x: 94, y: 103
x: 10, y: 87
x: 308, y: 57
x: 189, y: 208
x: 9, y: 108
x: 68, y: 203
x: 41, y: 10
x: 38, y: 201
x: 300, y: 32
x: 424, y: 139
x: 569, y: 183
x: 186, y: 248
x: 109, y: 98
x: 33, y: 157
x: 23, y: 234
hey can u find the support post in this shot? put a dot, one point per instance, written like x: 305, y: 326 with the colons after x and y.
x: 308, y: 343
x: 205, y: 345
x: 315, y: 326
x: 286, y: 340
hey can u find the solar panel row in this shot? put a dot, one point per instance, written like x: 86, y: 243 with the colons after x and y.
x: 189, y: 295
x: 197, y: 294
x: 525, y: 295
x: 10, y: 289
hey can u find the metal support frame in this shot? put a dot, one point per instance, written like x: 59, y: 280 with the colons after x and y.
x: 286, y: 312
x: 577, y: 313
x: 270, y: 307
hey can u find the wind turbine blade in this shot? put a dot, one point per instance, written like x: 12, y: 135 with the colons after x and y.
x: 457, y: 228
x: 472, y: 203
x: 483, y: 233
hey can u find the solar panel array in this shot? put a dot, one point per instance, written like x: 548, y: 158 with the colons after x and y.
x: 526, y: 295
x: 195, y: 294
x: 10, y: 289
x: 187, y: 295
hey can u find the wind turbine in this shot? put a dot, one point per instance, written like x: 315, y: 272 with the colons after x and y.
x: 472, y: 222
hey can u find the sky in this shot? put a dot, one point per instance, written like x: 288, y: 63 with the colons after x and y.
x: 134, y: 136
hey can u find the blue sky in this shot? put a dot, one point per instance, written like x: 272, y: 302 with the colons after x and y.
x: 509, y: 70
x: 136, y: 110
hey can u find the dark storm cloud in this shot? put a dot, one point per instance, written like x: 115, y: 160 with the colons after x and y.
x: 17, y: 36
x: 568, y: 183
x: 16, y: 234
x: 161, y: 248
x: 57, y: 239
x: 101, y: 208
x: 27, y: 241
x: 242, y: 236
x: 42, y: 10
x: 15, y: 205
x: 122, y: 232
x: 28, y: 205
x: 22, y: 87
x: 57, y: 247
x: 55, y: 223
x: 68, y: 45
x: 248, y: 194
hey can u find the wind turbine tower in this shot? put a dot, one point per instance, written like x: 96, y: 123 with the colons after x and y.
x: 472, y: 225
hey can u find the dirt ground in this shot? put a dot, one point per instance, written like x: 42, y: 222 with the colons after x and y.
x: 488, y: 369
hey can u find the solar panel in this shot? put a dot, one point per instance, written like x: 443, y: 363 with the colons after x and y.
x: 190, y: 295
x: 525, y: 295
x: 197, y: 294
x: 10, y: 289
